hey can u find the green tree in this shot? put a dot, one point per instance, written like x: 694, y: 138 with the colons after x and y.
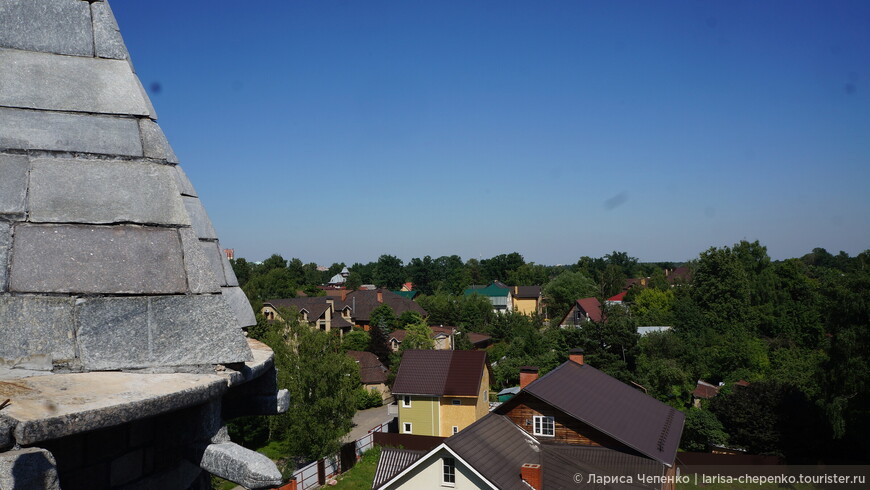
x: 499, y: 268
x: 419, y: 336
x: 721, y: 290
x: 654, y: 307
x: 530, y: 274
x: 564, y: 290
x: 701, y: 430
x: 383, y: 318
x: 356, y: 340
x: 243, y: 270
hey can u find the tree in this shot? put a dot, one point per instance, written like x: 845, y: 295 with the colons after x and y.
x: 565, y: 289
x: 721, y: 290
x: 419, y: 336
x: 383, y: 318
x: 389, y: 272
x: 408, y: 318
x: 701, y: 430
x: 243, y: 270
x: 422, y: 273
x: 498, y: 268
x: 356, y: 340
x: 654, y: 307
x: 530, y: 274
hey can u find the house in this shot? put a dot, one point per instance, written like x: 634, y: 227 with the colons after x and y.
x: 440, y: 392
x: 323, y: 312
x: 584, y: 310
x: 575, y: 420
x: 372, y: 373
x: 616, y: 299
x: 527, y: 300
x: 497, y: 293
x: 339, y: 279
x: 363, y: 302
x: 706, y: 391
x: 441, y: 336
x: 479, y: 340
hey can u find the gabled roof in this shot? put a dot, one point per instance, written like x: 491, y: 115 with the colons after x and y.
x: 316, y: 306
x: 371, y: 371
x: 592, y: 307
x: 364, y: 302
x: 618, y: 297
x: 440, y: 373
x: 527, y: 292
x: 491, y: 290
x: 392, y: 462
x: 478, y: 338
x: 407, y: 294
x: 608, y: 405
x: 705, y: 390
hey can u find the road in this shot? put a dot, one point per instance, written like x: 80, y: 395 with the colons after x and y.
x: 364, y: 420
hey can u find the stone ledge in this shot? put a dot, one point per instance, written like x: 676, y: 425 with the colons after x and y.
x: 262, y: 363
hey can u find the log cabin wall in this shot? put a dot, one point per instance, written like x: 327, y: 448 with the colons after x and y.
x: 567, y: 429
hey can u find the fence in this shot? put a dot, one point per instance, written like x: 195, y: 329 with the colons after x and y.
x: 315, y: 474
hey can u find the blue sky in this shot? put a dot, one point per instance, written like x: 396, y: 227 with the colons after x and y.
x: 338, y: 131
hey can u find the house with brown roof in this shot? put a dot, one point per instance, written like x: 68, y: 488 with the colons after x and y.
x: 442, y: 338
x: 363, y: 301
x: 372, y: 373
x: 527, y: 299
x: 573, y: 421
x: 440, y: 392
x: 585, y: 310
x: 323, y: 312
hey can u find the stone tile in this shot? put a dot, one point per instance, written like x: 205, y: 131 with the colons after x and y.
x: 6, y: 426
x: 117, y: 191
x: 184, y: 185
x: 54, y: 26
x: 229, y: 274
x: 13, y: 185
x: 38, y: 130
x: 113, y: 333
x: 243, y: 466
x: 28, y: 468
x: 199, y: 219
x: 213, y: 254
x: 5, y: 242
x: 108, y: 42
x: 36, y: 325
x: 240, y: 305
x: 197, y: 329
x: 154, y: 142
x: 69, y: 83
x: 201, y: 276
x: 124, y: 259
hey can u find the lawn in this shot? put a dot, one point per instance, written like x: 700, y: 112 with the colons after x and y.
x: 361, y: 476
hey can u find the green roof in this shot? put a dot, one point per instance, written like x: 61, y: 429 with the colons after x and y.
x: 407, y: 294
x: 491, y: 290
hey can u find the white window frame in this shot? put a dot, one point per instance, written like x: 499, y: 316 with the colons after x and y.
x: 407, y: 427
x: 448, y: 472
x: 455, y: 429
x: 538, y: 427
x: 406, y: 401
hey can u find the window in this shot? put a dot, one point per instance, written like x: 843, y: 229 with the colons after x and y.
x: 455, y: 429
x: 406, y: 401
x: 456, y: 401
x: 544, y: 426
x: 449, y: 476
x: 407, y: 427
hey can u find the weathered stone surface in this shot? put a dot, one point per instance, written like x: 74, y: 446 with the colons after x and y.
x: 108, y: 42
x: 113, y: 333
x: 104, y: 191
x: 154, y: 142
x: 262, y: 365
x: 28, y: 469
x: 213, y: 253
x: 240, y: 306
x: 243, y: 466
x: 229, y: 274
x: 195, y: 330
x: 36, y: 325
x: 184, y: 185
x: 13, y: 185
x: 199, y: 219
x: 6, y: 426
x: 69, y: 83
x: 54, y: 26
x: 5, y: 241
x: 122, y: 259
x: 38, y: 130
x: 201, y: 276
x: 83, y: 402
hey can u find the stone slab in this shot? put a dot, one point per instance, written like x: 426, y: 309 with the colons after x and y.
x: 83, y: 402
x: 6, y: 426
x: 198, y: 329
x: 113, y: 333
x: 201, y: 276
x: 104, y: 191
x: 30, y: 468
x: 123, y: 259
x: 36, y: 325
x: 199, y: 219
x: 229, y: 274
x: 262, y: 364
x: 240, y: 465
x: 5, y: 242
x: 240, y: 306
x: 184, y: 185
x: 108, y: 42
x: 154, y: 142
x: 213, y: 253
x: 54, y: 26
x: 38, y: 130
x: 13, y: 185
x: 69, y: 83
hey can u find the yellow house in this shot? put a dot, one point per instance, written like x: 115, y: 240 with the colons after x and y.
x: 321, y: 312
x: 527, y: 299
x: 440, y: 392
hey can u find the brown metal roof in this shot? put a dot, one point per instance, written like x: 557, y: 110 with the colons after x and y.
x: 562, y: 461
x: 365, y: 301
x: 392, y: 462
x: 371, y: 371
x: 527, y: 291
x: 440, y: 373
x: 612, y: 407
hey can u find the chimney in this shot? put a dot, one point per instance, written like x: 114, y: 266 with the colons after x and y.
x: 380, y: 296
x: 531, y: 474
x: 527, y: 375
x: 576, y: 355
x: 516, y: 290
x: 344, y: 294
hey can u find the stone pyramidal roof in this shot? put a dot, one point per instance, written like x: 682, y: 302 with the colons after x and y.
x: 107, y: 258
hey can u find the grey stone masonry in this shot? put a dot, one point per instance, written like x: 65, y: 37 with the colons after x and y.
x: 199, y: 219
x: 213, y: 254
x: 36, y: 130
x: 123, y: 259
x: 13, y: 184
x: 6, y: 426
x: 240, y: 305
x: 240, y: 465
x: 107, y: 37
x: 184, y: 185
x: 154, y: 142
x: 54, y: 26
x: 119, y: 333
x: 201, y: 276
x: 5, y: 241
x: 34, y: 325
x: 69, y: 83
x: 28, y: 469
x: 104, y: 191
x: 229, y: 274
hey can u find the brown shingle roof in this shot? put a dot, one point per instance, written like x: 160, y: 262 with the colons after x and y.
x: 371, y: 371
x: 592, y: 307
x: 527, y: 291
x: 316, y: 306
x: 705, y: 390
x: 440, y: 373
x: 364, y: 301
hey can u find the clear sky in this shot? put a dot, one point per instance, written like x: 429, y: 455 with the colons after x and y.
x: 338, y: 131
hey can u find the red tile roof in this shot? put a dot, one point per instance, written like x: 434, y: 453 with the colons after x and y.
x: 440, y: 373
x: 618, y: 297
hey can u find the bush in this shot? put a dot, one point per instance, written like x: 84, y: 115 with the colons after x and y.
x: 368, y: 399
